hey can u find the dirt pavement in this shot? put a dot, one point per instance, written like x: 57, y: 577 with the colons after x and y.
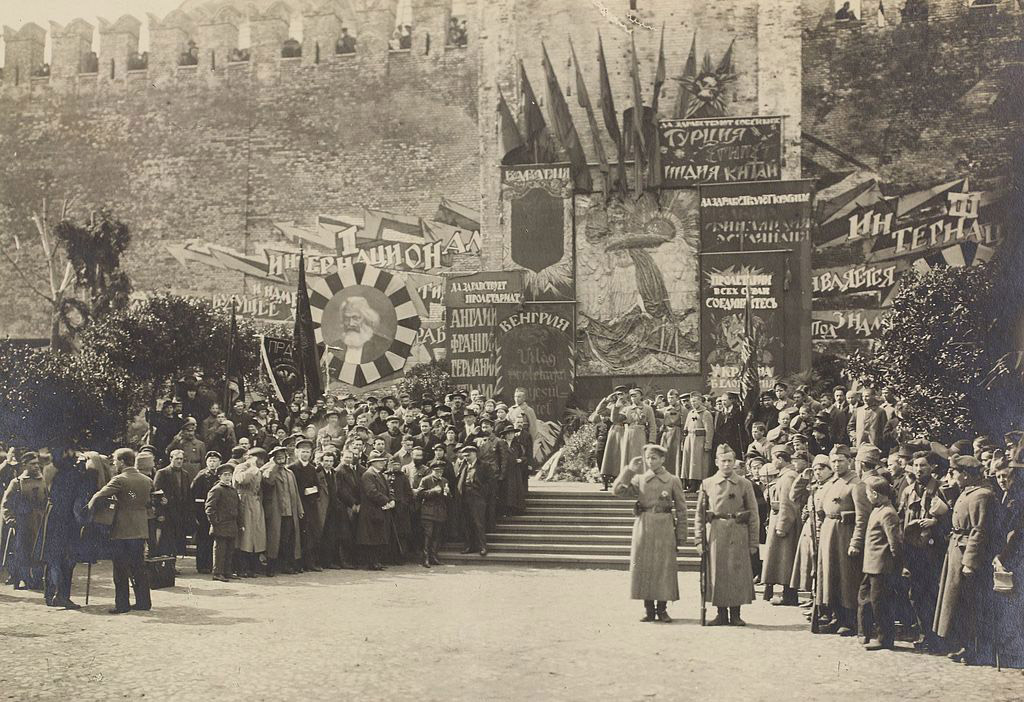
x: 457, y: 632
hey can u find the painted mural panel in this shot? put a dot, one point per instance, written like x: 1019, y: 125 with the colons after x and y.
x: 638, y: 286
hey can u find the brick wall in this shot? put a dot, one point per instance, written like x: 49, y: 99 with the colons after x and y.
x: 183, y: 153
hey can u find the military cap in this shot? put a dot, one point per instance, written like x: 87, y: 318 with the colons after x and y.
x: 225, y: 468
x: 214, y: 454
x: 468, y: 447
x: 237, y: 452
x: 377, y: 457
x: 304, y: 443
x: 753, y: 456
x: 334, y: 412
x: 963, y: 447
x: 277, y: 449
x: 257, y: 452
x: 500, y: 405
x: 191, y: 422
x: 868, y: 453
x: 820, y: 459
x: 620, y: 388
x: 657, y: 448
x: 724, y: 450
x: 840, y: 450
x: 29, y: 456
x: 147, y: 447
x: 907, y: 451
x: 696, y: 394
x: 257, y: 405
x: 782, y: 449
x: 486, y: 419
x: 393, y: 418
x: 443, y: 410
x: 426, y: 400
x: 967, y: 464
x: 143, y: 462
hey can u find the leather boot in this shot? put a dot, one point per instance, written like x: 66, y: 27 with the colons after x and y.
x: 734, y: 617
x: 649, y: 613
x: 768, y: 592
x: 722, y: 619
x: 663, y: 613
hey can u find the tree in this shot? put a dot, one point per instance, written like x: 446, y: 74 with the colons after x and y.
x: 166, y: 336
x: 936, y: 350
x: 433, y: 378
x: 83, y: 269
x: 60, y: 400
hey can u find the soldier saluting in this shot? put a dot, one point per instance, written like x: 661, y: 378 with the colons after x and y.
x: 653, y: 569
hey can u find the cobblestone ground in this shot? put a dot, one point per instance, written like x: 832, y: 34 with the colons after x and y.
x: 455, y: 633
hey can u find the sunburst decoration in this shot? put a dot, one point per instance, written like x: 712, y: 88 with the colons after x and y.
x: 706, y: 88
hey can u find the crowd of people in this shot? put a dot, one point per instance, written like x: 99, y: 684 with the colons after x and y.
x: 268, y: 489
x: 892, y: 535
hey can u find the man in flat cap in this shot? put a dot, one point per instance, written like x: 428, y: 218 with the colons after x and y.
x: 224, y: 512
x: 727, y: 509
x: 474, y: 484
x: 839, y: 563
x: 783, y: 530
x: 309, y: 492
x: 962, y: 614
x: 282, y: 509
x: 200, y: 489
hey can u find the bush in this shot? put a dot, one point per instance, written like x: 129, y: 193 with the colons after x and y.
x: 60, y: 401
x: 433, y: 378
x: 578, y: 461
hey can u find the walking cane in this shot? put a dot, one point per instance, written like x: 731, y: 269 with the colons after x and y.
x: 704, y: 564
x: 88, y: 580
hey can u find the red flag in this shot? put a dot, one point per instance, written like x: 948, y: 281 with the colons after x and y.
x: 234, y: 383
x: 750, y: 381
x: 611, y: 117
x: 653, y: 147
x: 583, y: 99
x: 689, y: 72
x: 637, y: 121
x: 305, y: 353
x: 561, y: 118
x: 511, y: 140
x: 535, y: 130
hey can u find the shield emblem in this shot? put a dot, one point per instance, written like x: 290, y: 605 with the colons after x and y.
x: 538, y: 230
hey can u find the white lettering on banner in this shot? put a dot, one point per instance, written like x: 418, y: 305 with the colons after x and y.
x: 941, y: 232
x: 542, y: 318
x: 529, y: 174
x: 472, y: 367
x: 472, y: 317
x: 477, y: 342
x: 848, y: 324
x: 870, y: 224
x: 755, y: 200
x: 859, y: 279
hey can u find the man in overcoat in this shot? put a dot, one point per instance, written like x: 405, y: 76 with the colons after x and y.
x: 783, y: 530
x: 375, y: 501
x: 431, y: 489
x: 22, y: 509
x: 200, y: 488
x: 282, y: 509
x: 727, y: 510
x: 224, y: 513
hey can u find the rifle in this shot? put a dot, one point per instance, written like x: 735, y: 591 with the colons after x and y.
x: 814, y: 571
x: 704, y: 559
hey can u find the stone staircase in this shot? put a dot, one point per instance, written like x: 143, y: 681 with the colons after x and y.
x: 567, y: 525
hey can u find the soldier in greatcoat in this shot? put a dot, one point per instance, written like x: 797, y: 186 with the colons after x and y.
x: 22, y: 510
x: 657, y: 532
x: 783, y: 530
x: 727, y: 510
x: 839, y: 560
x: 699, y: 436
x: 962, y: 613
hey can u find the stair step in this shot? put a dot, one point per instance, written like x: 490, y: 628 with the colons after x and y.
x: 554, y: 560
x: 581, y: 519
x: 602, y: 511
x: 573, y: 528
x: 556, y: 538
x: 572, y: 549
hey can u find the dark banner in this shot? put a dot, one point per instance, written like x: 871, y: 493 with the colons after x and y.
x: 720, y: 150
x: 537, y: 237
x: 484, y: 289
x: 536, y: 352
x: 471, y: 347
x: 756, y: 216
x: 279, y: 366
x: 728, y: 282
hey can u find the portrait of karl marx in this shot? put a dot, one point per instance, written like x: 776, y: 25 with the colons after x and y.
x: 362, y: 335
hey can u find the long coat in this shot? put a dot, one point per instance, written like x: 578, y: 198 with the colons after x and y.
x: 635, y: 435
x: 429, y: 490
x: 346, y: 496
x: 780, y: 551
x: 517, y: 476
x: 730, y: 578
x: 653, y: 568
x: 372, y: 523
x: 963, y: 601
x: 280, y: 495
x: 60, y: 533
x: 730, y: 430
x: 672, y: 438
x: 611, y: 461
x: 699, y: 434
x: 839, y: 574
x: 806, y: 556
x: 249, y: 482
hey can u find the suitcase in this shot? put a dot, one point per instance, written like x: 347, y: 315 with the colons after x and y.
x: 161, y: 571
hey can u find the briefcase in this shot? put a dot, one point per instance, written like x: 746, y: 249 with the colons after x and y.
x: 161, y: 571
